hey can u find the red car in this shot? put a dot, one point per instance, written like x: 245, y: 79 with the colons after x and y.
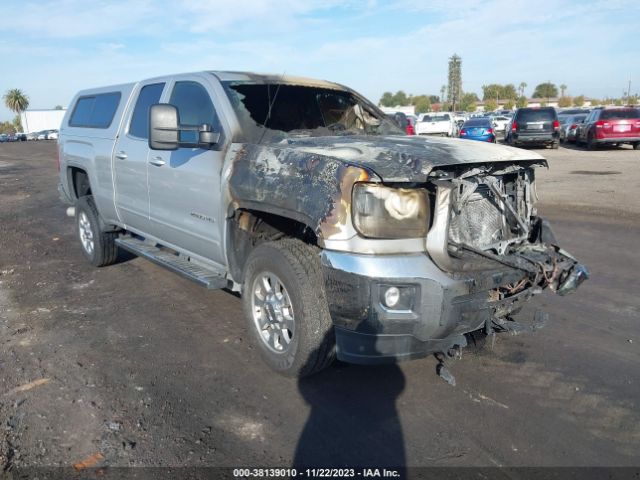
x: 610, y: 125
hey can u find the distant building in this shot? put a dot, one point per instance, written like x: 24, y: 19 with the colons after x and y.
x: 533, y: 102
x: 407, y: 109
x: 38, y: 120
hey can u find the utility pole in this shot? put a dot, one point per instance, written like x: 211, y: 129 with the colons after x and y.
x: 455, y: 81
x: 629, y: 91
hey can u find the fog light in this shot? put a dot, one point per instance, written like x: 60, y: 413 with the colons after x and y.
x: 391, y: 297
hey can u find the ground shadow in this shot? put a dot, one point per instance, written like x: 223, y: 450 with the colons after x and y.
x: 353, y: 420
x: 124, y: 256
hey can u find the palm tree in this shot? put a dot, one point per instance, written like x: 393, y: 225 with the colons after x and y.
x: 16, y: 100
x: 442, y: 90
x: 563, y: 87
x: 522, y: 86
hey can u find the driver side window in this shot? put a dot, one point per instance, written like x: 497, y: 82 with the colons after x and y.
x: 195, y: 108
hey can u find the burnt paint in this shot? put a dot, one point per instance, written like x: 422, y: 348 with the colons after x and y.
x: 409, y: 158
x: 310, y: 188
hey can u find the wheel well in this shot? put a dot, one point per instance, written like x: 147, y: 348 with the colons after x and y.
x: 80, y: 182
x: 249, y: 228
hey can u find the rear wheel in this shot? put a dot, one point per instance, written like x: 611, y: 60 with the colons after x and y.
x: 636, y: 146
x: 286, y: 307
x: 97, y: 246
x: 591, y: 144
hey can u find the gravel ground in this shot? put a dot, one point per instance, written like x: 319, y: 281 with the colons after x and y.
x: 130, y: 365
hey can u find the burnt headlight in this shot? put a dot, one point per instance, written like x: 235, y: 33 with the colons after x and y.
x: 385, y: 212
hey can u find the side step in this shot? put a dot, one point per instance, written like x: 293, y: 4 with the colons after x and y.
x: 206, y: 277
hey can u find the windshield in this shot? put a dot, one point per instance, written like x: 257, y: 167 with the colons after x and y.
x: 272, y: 112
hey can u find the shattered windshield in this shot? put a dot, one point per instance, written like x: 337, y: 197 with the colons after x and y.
x: 271, y: 112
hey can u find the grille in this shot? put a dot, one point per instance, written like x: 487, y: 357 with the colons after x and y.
x: 480, y: 222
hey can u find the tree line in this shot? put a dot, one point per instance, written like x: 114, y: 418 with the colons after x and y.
x: 426, y: 103
x: 494, y: 94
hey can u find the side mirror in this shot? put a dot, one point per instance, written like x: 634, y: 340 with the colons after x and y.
x: 163, y: 127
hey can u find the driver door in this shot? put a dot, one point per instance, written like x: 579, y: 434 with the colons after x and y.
x: 184, y: 184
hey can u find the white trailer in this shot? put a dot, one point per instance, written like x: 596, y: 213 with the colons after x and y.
x: 38, y: 120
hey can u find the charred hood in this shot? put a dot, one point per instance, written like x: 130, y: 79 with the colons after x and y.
x: 407, y: 159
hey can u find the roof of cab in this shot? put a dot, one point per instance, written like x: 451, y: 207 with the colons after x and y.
x: 122, y: 87
x: 224, y: 76
x: 252, y: 77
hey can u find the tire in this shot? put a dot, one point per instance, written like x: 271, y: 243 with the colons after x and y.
x: 591, y: 145
x: 636, y: 145
x: 97, y: 246
x: 299, y: 339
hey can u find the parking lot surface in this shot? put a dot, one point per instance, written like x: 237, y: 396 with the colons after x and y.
x: 131, y: 365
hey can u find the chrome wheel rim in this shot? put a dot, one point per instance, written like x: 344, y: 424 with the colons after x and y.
x: 86, y: 234
x: 272, y: 311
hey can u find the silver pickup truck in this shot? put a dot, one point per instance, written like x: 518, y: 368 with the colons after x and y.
x: 345, y: 237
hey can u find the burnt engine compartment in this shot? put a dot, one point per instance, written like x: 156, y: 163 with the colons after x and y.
x: 493, y: 220
x: 496, y: 240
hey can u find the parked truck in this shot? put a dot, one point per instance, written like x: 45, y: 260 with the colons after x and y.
x: 345, y: 237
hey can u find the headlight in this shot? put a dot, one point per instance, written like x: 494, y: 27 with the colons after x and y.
x: 384, y: 212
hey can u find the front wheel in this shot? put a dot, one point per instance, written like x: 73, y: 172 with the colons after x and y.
x: 286, y: 307
x: 636, y: 146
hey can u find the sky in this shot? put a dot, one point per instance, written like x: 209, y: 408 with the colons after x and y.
x: 50, y: 49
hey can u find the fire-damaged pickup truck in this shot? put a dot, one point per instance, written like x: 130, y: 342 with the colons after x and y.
x: 345, y: 237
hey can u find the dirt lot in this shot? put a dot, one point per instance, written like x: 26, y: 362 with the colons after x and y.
x: 131, y: 365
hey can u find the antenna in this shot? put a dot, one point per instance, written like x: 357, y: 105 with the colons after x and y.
x: 272, y: 101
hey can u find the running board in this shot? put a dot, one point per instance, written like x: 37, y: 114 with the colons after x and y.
x: 206, y: 277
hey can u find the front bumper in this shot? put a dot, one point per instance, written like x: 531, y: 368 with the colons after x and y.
x: 442, y: 310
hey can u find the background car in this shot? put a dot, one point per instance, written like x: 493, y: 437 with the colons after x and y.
x: 480, y: 129
x: 435, y: 124
x: 4, y: 137
x: 610, y: 125
x: 402, y: 120
x: 536, y: 126
x: 411, y: 125
x: 500, y: 122
x: 569, y: 126
x: 52, y: 135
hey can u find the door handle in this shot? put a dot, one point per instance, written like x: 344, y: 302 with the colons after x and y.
x: 121, y: 155
x: 157, y: 161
